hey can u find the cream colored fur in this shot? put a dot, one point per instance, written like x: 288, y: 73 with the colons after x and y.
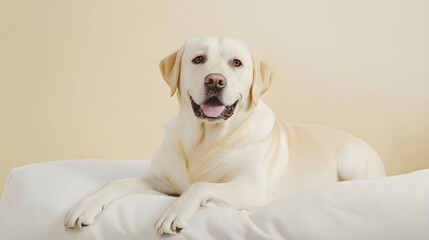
x: 242, y: 162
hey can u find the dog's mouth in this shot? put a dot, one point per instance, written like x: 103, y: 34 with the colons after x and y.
x: 213, y: 109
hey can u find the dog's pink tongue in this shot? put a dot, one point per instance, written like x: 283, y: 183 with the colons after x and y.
x: 212, y: 111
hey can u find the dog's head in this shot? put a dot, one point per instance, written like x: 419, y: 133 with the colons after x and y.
x: 216, y: 77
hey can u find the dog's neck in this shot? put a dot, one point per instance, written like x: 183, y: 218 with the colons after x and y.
x: 201, y: 136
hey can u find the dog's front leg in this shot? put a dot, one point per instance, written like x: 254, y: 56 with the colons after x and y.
x: 83, y: 213
x: 238, y: 194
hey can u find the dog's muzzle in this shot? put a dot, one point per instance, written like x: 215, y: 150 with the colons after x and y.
x: 213, y: 108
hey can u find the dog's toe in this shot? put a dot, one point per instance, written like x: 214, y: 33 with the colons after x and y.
x: 178, y: 224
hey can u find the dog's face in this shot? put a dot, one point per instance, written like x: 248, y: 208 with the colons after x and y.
x: 216, y: 77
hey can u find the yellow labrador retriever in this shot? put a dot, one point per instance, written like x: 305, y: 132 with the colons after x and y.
x: 226, y: 146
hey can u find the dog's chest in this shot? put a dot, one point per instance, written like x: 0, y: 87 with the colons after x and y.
x: 206, y: 163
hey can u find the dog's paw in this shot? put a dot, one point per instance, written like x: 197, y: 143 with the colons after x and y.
x: 83, y: 213
x: 178, y: 214
x: 173, y: 220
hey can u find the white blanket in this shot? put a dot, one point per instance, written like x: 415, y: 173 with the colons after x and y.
x: 37, y: 197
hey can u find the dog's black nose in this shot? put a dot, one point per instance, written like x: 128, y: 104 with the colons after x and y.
x: 215, y: 81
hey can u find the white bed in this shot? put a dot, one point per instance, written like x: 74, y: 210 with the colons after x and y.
x: 36, y: 198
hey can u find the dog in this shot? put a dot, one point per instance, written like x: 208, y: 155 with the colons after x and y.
x: 226, y: 146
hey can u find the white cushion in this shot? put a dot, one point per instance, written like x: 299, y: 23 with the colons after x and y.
x: 37, y: 197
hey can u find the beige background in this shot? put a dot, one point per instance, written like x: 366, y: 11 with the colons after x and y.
x: 80, y: 79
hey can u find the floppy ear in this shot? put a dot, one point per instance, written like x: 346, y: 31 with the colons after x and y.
x: 262, y: 78
x: 170, y: 69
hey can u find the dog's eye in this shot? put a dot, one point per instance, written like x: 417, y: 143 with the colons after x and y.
x: 237, y: 63
x: 199, y: 60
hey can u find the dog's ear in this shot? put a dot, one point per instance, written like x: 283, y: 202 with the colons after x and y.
x: 262, y: 78
x: 170, y: 69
